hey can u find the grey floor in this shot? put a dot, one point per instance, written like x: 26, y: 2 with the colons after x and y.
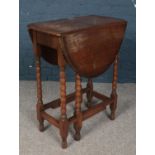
x: 100, y: 136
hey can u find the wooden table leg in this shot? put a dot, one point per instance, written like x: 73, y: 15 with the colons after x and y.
x: 39, y: 105
x: 63, y: 119
x: 113, y: 106
x: 89, y: 93
x: 78, y: 113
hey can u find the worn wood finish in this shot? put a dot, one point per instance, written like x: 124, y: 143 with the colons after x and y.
x: 77, y: 44
x: 89, y: 44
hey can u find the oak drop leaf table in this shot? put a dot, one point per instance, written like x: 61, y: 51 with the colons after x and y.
x: 89, y: 44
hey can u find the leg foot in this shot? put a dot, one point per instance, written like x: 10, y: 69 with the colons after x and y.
x: 113, y: 107
x: 39, y: 117
x: 77, y: 127
x: 64, y: 144
x: 112, y: 116
x: 88, y: 104
x: 77, y: 136
x: 41, y: 126
x: 64, y: 131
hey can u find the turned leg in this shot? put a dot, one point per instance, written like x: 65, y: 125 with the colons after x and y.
x: 89, y: 93
x: 78, y: 113
x: 39, y: 105
x: 113, y: 106
x: 63, y: 117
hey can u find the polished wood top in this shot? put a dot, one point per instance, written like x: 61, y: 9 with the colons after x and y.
x: 89, y: 44
x: 70, y: 25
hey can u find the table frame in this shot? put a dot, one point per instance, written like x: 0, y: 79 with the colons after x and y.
x: 79, y: 115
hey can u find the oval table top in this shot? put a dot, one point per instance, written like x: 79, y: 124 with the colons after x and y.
x: 90, y: 43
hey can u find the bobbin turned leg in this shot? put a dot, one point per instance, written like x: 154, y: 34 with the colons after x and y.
x: 63, y: 117
x: 39, y: 105
x: 89, y: 93
x: 78, y: 113
x: 113, y: 106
